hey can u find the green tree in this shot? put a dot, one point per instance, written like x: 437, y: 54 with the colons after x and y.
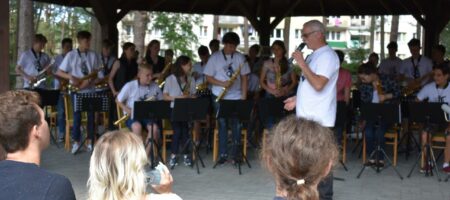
x: 445, y: 39
x: 176, y: 30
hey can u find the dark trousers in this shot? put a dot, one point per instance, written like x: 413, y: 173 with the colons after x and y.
x: 325, y: 187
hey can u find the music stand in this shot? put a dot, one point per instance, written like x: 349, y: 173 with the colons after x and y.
x: 427, y: 113
x: 188, y: 110
x: 389, y: 113
x: 271, y: 107
x: 341, y: 121
x: 236, y: 109
x: 49, y: 98
x: 407, y: 135
x: 152, y: 110
x: 90, y: 102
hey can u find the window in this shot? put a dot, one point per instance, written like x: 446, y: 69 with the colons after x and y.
x: 203, y: 31
x: 128, y: 29
x: 278, y: 33
x: 297, y: 33
x: 334, y: 35
x: 363, y: 20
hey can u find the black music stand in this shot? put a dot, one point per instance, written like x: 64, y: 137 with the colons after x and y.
x: 341, y: 121
x: 90, y: 102
x: 389, y: 113
x: 271, y: 107
x: 152, y: 110
x: 49, y: 98
x: 427, y: 113
x: 188, y: 110
x: 236, y: 109
x: 407, y: 135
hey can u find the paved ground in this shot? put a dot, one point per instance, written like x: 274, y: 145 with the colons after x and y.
x: 225, y: 183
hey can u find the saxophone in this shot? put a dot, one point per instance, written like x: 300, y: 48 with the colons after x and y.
x: 163, y: 75
x: 379, y: 89
x: 278, y: 78
x: 127, y: 116
x: 230, y: 83
x: 187, y: 88
x: 93, y: 74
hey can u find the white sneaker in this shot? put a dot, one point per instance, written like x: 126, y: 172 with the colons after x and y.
x: 75, y: 147
x: 89, y: 147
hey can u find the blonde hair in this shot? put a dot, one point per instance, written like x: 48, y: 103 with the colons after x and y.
x: 116, y: 169
x: 298, y: 154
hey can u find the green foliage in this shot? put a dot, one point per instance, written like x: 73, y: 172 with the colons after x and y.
x: 358, y: 55
x: 176, y: 30
x: 445, y: 39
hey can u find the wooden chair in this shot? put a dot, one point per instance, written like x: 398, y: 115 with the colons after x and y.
x: 120, y: 115
x: 52, y: 122
x: 69, y: 120
x: 390, y: 134
x: 167, y: 134
x: 216, y: 142
x: 437, y: 142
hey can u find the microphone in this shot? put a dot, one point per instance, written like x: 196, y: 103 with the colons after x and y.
x: 446, y: 109
x: 299, y: 48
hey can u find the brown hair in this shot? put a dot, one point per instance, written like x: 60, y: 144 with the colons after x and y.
x: 150, y: 44
x: 18, y: 114
x: 299, y: 149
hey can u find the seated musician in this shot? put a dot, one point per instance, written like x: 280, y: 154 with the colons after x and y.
x: 376, y: 89
x: 179, y: 85
x: 438, y: 91
x: 221, y: 67
x: 32, y: 62
x: 142, y: 89
x: 275, y: 77
x: 79, y: 64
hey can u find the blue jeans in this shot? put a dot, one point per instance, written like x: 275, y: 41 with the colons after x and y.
x: 374, y: 135
x: 76, y: 134
x: 180, y: 136
x: 223, y: 131
x: 61, y: 117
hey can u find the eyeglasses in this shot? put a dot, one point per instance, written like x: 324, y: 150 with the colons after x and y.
x: 305, y: 35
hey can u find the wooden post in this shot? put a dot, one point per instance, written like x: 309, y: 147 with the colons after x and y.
x: 4, y: 52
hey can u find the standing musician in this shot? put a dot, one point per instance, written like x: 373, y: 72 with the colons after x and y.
x: 316, y: 93
x: 275, y: 77
x: 152, y: 58
x: 221, y: 66
x: 79, y: 63
x: 390, y: 65
x: 417, y: 69
x: 438, y: 91
x: 66, y: 46
x: 124, y: 70
x: 343, y: 87
x: 32, y: 62
x: 180, y: 84
x: 142, y: 89
x: 107, y: 61
x: 376, y: 89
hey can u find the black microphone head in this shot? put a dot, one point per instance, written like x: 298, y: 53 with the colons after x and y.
x: 301, y: 46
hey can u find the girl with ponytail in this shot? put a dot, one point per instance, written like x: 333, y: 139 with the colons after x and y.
x: 299, y: 154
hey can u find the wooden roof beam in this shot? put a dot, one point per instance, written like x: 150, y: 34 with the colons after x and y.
x: 416, y: 15
x: 156, y: 3
x: 278, y: 19
x: 353, y: 7
x: 193, y: 5
x: 322, y: 7
x: 386, y: 6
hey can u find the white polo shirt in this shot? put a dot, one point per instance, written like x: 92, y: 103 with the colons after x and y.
x: 80, y: 64
x: 319, y: 106
x: 132, y: 92
x: 30, y: 62
x: 173, y: 88
x: 198, y: 68
x: 425, y: 66
x: 434, y: 94
x: 220, y: 66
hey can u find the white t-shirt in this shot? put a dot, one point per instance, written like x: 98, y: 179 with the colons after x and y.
x: 425, y: 66
x: 132, y: 92
x: 30, y: 62
x: 434, y: 94
x: 319, y: 106
x: 222, y: 67
x: 390, y: 66
x: 80, y: 64
x: 173, y: 88
x: 198, y: 68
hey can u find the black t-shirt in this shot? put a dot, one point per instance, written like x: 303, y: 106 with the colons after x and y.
x: 27, y: 181
x: 157, y: 67
x: 127, y: 71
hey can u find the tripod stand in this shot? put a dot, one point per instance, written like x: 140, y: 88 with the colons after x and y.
x: 380, y: 113
x: 240, y: 110
x: 427, y: 113
x: 49, y: 98
x: 153, y: 111
x: 408, y: 135
x: 188, y: 110
x: 341, y: 124
x: 91, y: 102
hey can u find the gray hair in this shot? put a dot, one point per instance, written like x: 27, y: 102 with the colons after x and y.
x: 316, y: 25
